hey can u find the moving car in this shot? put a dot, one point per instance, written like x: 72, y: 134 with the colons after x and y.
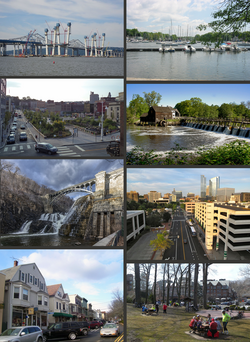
x: 11, y: 139
x: 23, y: 136
x: 95, y: 324
x: 113, y: 148
x: 109, y: 329
x: 45, y: 147
x: 84, y: 327
x: 68, y: 330
x: 22, y: 334
x: 22, y: 126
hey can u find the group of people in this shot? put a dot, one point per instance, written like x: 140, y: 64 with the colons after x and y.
x: 154, y: 308
x: 211, y: 325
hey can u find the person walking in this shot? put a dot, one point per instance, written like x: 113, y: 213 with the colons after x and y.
x: 164, y: 308
x: 157, y: 307
x: 225, y: 319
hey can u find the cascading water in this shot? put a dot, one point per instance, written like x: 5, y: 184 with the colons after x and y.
x: 25, y: 228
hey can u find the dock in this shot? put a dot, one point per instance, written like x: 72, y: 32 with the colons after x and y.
x: 176, y: 49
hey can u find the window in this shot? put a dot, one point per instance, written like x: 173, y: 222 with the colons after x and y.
x: 35, y: 281
x: 39, y: 302
x: 31, y: 278
x: 60, y: 306
x: 45, y: 301
x: 16, y: 292
x: 22, y: 276
x: 57, y: 305
x: 25, y: 294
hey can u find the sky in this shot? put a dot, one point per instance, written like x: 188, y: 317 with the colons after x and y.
x: 172, y: 94
x: 95, y: 275
x: 164, y: 180
x: 215, y: 271
x: 63, y: 89
x: 156, y: 16
x: 18, y: 18
x: 58, y: 174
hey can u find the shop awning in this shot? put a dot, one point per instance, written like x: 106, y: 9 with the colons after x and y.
x: 62, y: 314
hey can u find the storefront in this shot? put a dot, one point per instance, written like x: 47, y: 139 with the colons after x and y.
x: 62, y: 317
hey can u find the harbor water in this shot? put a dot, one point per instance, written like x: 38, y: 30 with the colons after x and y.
x: 62, y: 66
x: 178, y: 65
x: 163, y: 139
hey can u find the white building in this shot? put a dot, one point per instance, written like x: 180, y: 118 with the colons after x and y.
x: 26, y: 300
x: 135, y: 223
x: 58, y: 304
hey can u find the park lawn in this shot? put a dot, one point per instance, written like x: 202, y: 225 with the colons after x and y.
x: 173, y: 325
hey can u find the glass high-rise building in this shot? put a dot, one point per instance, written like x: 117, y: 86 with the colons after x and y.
x: 214, y: 185
x: 203, y: 186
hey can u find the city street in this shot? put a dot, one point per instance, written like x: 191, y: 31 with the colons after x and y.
x: 81, y: 145
x: 94, y: 336
x: 186, y: 247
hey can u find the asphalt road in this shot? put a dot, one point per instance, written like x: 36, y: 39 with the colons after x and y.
x: 186, y: 247
x: 83, y: 145
x: 93, y: 336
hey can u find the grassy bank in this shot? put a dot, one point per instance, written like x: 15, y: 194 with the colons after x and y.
x: 235, y: 153
x: 173, y: 325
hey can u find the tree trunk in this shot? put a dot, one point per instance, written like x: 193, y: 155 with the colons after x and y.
x: 163, y: 283
x: 155, y: 283
x: 196, y: 274
x: 137, y: 284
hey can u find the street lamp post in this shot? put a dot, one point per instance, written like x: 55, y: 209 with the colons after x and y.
x: 102, y: 124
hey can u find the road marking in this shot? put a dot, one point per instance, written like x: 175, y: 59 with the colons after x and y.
x: 28, y: 147
x: 5, y: 149
x: 13, y: 148
x: 66, y: 154
x: 21, y: 147
x: 80, y: 148
x: 183, y: 243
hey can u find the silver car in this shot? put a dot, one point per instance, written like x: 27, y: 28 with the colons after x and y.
x: 22, y: 334
x: 109, y: 329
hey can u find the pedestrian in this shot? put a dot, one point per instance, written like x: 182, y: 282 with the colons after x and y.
x: 157, y: 307
x: 225, y: 319
x: 164, y: 308
x: 219, y: 326
x: 213, y: 332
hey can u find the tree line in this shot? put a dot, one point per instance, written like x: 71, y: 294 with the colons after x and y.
x: 132, y: 33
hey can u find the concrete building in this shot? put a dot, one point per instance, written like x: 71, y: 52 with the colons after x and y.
x: 178, y: 195
x: 26, y: 300
x: 153, y: 195
x: 162, y: 200
x: 224, y: 194
x: 3, y: 87
x: 214, y: 185
x: 240, y: 197
x: 228, y: 223
x: 146, y: 197
x: 114, y: 108
x: 136, y: 222
x: 133, y: 196
x: 190, y: 207
x: 58, y: 304
x: 190, y: 195
x: 207, y: 190
x: 93, y: 97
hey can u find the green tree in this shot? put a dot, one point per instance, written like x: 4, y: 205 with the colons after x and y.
x: 152, y: 99
x: 161, y: 243
x: 137, y: 106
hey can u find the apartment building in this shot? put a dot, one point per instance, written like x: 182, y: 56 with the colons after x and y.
x: 136, y: 222
x: 58, y: 304
x: 26, y: 300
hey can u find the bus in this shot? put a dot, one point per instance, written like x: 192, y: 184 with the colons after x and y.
x: 193, y: 232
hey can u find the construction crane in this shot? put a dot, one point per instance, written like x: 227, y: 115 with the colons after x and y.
x: 51, y: 31
x: 29, y: 36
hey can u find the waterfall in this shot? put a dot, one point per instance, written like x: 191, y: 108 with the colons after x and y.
x: 235, y: 131
x: 25, y: 228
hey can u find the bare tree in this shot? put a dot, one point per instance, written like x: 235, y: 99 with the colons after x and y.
x: 137, y: 284
x: 155, y: 283
x: 196, y: 275
x: 146, y: 270
x: 116, y: 306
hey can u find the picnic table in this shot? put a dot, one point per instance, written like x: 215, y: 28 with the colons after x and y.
x: 151, y: 312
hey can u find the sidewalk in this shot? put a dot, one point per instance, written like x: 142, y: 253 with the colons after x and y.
x: 142, y: 249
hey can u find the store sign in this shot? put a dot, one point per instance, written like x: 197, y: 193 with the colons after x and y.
x: 30, y: 311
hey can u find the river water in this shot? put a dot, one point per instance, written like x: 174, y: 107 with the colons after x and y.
x: 63, y: 66
x: 226, y: 66
x: 43, y: 240
x: 163, y: 139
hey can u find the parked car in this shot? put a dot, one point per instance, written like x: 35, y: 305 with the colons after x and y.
x: 13, y: 128
x: 109, y: 329
x: 68, y: 330
x: 84, y: 327
x: 45, y: 147
x: 22, y: 334
x: 23, y: 136
x: 95, y: 324
x: 11, y: 139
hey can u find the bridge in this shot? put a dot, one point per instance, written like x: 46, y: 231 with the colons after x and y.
x: 30, y: 45
x: 86, y: 186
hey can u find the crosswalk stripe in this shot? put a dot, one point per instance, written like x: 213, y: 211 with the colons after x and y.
x: 5, y: 149
x: 21, y: 147
x: 13, y: 148
x: 66, y: 154
x: 80, y: 148
x: 28, y: 147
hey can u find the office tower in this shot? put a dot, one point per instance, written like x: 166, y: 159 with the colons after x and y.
x: 203, y: 186
x: 214, y: 185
